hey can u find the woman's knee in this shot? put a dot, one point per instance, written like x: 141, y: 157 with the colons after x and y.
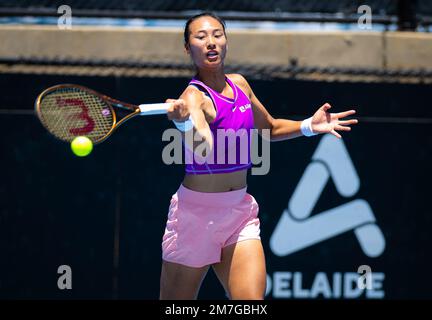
x: 180, y: 282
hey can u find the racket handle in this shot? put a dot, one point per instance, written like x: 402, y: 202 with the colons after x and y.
x: 154, y: 108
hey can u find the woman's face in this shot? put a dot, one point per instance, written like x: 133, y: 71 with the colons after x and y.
x: 207, y: 43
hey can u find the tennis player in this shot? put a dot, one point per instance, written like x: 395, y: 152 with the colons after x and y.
x: 212, y: 220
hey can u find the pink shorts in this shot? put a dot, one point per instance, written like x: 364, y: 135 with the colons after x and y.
x: 201, y: 224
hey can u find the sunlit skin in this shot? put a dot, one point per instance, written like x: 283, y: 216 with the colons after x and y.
x: 207, y: 45
x: 242, y: 270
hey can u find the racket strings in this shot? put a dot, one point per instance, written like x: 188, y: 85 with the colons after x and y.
x: 70, y: 112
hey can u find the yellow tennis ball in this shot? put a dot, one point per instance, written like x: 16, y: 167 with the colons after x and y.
x: 81, y: 146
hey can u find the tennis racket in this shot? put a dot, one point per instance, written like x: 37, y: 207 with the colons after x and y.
x: 69, y: 110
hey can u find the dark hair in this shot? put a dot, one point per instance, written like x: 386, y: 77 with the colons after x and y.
x: 192, y: 19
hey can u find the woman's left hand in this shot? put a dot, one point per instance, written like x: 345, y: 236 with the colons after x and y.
x: 326, y: 122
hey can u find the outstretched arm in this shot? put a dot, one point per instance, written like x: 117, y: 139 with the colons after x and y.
x: 281, y: 129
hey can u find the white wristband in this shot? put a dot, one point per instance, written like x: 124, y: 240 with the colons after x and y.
x: 306, y: 127
x: 184, y: 126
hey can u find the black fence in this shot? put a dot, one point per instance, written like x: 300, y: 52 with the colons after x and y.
x: 104, y: 215
x: 133, y: 68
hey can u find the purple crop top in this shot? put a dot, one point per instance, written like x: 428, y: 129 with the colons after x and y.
x: 232, y: 133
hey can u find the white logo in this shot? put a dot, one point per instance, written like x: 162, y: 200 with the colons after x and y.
x: 242, y: 108
x: 296, y: 230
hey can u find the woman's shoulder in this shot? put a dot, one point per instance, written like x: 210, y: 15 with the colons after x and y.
x: 237, y: 78
x: 240, y: 81
x: 192, y: 89
x: 191, y: 92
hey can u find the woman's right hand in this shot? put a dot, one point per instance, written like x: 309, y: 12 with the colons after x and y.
x: 190, y: 105
x: 178, y: 110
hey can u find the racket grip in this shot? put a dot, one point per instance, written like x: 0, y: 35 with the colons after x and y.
x: 153, y: 108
